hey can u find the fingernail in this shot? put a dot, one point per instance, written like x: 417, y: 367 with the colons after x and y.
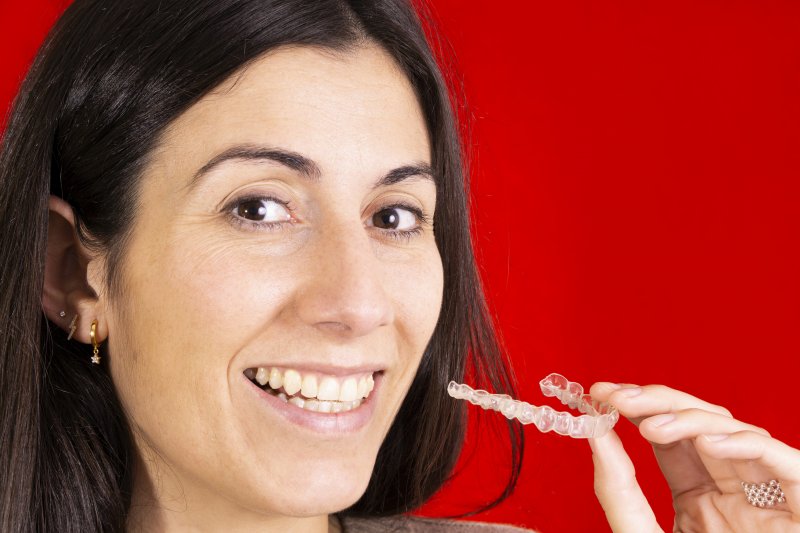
x: 660, y: 420
x: 614, y: 386
x: 715, y: 438
x: 631, y: 392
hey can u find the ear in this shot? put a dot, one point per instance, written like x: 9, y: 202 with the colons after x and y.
x: 69, y: 275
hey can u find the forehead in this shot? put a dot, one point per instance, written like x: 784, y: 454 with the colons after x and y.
x: 343, y: 109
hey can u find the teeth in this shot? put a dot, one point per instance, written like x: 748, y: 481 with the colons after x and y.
x: 275, y: 379
x: 309, y: 388
x: 328, y: 389
x: 348, y: 390
x: 322, y: 394
x: 327, y: 407
x: 319, y: 387
x: 291, y: 382
x: 319, y: 406
x: 261, y: 376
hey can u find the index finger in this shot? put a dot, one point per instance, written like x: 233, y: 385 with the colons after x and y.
x: 662, y: 399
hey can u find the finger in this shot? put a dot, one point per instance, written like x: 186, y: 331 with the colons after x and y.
x: 615, y: 485
x: 602, y: 389
x: 781, y: 461
x: 683, y: 467
x: 636, y: 402
x: 689, y: 423
x: 672, y: 436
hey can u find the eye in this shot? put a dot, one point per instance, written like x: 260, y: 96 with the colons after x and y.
x: 394, y: 217
x: 404, y: 221
x: 255, y: 209
x: 256, y: 212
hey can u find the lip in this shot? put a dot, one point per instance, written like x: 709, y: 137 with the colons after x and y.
x: 321, y: 423
x: 321, y: 370
x: 328, y: 370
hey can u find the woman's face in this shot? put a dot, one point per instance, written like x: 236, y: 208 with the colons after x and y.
x: 295, y: 256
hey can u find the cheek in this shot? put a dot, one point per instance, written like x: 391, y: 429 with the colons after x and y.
x: 417, y: 288
x: 225, y: 296
x: 189, y: 308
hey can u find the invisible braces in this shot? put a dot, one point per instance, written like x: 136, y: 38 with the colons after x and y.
x: 600, y: 417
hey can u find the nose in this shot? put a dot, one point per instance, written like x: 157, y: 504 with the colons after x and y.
x: 344, y: 293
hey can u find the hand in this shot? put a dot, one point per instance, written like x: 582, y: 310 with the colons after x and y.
x: 704, y: 475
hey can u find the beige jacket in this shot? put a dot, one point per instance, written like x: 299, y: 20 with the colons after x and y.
x: 414, y: 524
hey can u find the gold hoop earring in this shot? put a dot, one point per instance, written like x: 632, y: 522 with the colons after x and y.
x: 95, y: 345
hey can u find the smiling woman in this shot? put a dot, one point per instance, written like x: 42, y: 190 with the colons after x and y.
x: 326, y: 298
x: 247, y: 272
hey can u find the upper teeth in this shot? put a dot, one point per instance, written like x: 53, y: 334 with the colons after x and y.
x: 322, y: 387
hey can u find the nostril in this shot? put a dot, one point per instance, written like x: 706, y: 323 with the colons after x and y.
x: 335, y: 326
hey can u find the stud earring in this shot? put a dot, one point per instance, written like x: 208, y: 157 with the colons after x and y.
x: 72, y: 327
x: 62, y: 313
x: 93, y: 335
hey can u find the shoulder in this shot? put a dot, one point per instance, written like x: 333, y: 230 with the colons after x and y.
x: 416, y: 524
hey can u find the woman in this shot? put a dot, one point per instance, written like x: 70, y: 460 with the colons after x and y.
x: 255, y: 280
x: 234, y: 188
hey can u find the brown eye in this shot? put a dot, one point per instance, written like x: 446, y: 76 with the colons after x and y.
x: 259, y: 209
x: 393, y: 218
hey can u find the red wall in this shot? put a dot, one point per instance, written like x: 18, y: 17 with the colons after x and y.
x: 636, y: 195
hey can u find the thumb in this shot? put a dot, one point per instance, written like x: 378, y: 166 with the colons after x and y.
x: 615, y: 485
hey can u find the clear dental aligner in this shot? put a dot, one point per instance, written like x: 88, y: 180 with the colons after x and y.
x: 599, y: 417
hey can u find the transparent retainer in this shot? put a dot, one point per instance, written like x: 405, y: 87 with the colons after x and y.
x: 599, y: 417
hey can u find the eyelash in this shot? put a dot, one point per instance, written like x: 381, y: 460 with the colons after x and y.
x: 249, y: 225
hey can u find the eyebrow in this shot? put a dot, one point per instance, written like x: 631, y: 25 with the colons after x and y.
x: 302, y: 165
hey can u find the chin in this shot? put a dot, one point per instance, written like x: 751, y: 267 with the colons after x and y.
x: 326, y: 492
x: 318, y: 504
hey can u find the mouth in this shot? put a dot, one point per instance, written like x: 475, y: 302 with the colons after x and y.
x: 313, y: 391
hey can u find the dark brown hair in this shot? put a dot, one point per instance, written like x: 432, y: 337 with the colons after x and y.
x: 109, y: 78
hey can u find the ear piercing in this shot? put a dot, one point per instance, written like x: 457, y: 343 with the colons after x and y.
x: 72, y: 327
x: 93, y: 335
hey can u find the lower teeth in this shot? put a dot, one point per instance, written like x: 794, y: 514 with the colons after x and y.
x: 319, y: 406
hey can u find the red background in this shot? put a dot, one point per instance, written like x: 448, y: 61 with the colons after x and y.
x: 636, y: 192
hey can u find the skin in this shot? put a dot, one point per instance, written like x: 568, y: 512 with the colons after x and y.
x: 206, y: 299
x: 704, y: 454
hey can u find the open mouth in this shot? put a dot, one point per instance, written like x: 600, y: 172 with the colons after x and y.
x: 314, y: 391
